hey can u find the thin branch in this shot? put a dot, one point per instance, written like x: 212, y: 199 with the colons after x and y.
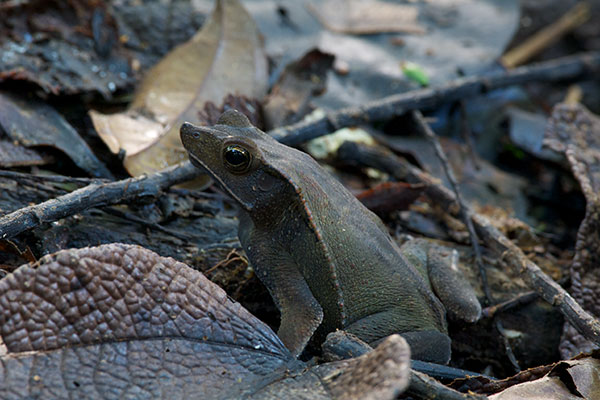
x: 424, y: 387
x: 560, y: 69
x: 507, y: 347
x: 463, y: 209
x: 465, y: 215
x: 508, y: 253
x: 522, y: 299
x: 22, y: 177
x: 151, y: 225
x: 94, y: 195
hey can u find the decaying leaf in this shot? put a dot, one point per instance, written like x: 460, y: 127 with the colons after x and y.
x: 301, y: 80
x: 119, y: 321
x: 224, y: 58
x: 527, y: 132
x: 62, y: 49
x: 568, y: 380
x: 89, y: 45
x: 577, y: 378
x: 33, y: 123
x: 574, y: 131
x: 390, y: 196
x: 12, y: 155
x: 367, y: 17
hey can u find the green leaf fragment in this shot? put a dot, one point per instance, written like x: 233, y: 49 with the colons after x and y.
x: 415, y: 73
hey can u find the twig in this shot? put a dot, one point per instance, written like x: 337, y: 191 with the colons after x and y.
x: 545, y: 37
x: 508, y: 252
x: 152, y: 225
x: 467, y: 134
x: 522, y: 299
x: 424, y: 387
x: 560, y: 69
x: 94, y: 195
x: 20, y: 176
x: 465, y: 215
x: 463, y: 209
x: 507, y: 347
x: 231, y: 257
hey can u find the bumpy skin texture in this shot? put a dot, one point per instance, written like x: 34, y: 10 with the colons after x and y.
x: 323, y: 256
x: 120, y: 322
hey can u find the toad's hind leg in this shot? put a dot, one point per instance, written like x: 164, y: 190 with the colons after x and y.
x: 425, y: 345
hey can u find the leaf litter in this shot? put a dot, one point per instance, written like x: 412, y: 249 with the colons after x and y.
x: 119, y: 321
x: 224, y: 58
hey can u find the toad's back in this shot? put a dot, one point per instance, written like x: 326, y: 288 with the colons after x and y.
x: 351, y: 264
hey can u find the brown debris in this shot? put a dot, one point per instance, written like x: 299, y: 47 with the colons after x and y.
x: 390, y: 196
x: 301, y: 80
x: 574, y: 131
x: 12, y: 155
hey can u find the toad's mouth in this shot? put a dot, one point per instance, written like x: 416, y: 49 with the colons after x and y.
x: 196, y: 162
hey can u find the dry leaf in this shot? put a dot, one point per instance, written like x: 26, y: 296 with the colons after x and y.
x: 12, y: 155
x: 289, y: 99
x: 31, y: 122
x: 390, y: 196
x: 366, y: 17
x: 574, y: 379
x: 224, y: 58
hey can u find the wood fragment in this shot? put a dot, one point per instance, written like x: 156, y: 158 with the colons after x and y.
x: 574, y: 95
x: 547, y: 36
x: 423, y: 387
x: 94, y: 195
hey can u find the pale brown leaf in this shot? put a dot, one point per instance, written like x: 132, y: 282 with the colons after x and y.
x: 366, y: 17
x: 224, y: 58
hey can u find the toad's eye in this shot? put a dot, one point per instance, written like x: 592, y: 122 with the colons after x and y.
x: 237, y: 159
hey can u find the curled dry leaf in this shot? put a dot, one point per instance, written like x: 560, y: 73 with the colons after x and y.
x: 224, y: 58
x: 119, y: 321
x: 301, y: 80
x: 574, y: 131
x: 567, y: 380
x: 390, y: 196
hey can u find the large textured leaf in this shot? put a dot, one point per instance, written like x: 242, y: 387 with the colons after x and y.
x: 224, y: 58
x: 119, y: 321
